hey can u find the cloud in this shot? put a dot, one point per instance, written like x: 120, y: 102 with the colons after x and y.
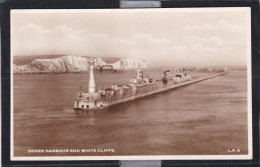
x: 187, y: 48
x: 80, y: 42
x: 221, y: 25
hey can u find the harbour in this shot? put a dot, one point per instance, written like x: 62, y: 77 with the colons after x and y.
x: 138, y: 87
x: 182, y: 119
x: 117, y: 85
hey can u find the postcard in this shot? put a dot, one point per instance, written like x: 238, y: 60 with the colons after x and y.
x: 131, y: 84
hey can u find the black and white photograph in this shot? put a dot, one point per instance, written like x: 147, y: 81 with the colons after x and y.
x: 131, y: 84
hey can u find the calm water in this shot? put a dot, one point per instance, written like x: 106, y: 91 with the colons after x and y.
x: 208, y: 117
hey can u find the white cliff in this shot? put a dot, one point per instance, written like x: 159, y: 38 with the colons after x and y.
x: 129, y: 64
x: 74, y: 64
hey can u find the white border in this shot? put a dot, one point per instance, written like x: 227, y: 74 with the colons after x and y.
x: 144, y: 157
x: 249, y: 86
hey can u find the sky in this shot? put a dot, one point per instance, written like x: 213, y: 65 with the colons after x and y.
x: 162, y: 37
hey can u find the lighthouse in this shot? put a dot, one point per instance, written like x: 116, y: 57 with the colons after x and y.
x: 90, y: 99
x: 91, y: 83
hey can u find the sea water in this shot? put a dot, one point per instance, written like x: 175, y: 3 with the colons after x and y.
x: 205, y: 118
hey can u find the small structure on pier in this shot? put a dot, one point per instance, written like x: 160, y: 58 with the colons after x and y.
x: 89, y: 99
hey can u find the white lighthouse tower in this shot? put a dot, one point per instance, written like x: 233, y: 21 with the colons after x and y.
x: 91, y: 83
x: 89, y: 99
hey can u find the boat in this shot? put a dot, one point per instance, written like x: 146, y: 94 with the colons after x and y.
x: 138, y: 87
x: 107, y: 69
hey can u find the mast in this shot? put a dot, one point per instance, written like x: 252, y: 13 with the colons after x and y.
x: 92, y: 83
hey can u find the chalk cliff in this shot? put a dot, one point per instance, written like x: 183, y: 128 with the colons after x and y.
x: 74, y: 64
